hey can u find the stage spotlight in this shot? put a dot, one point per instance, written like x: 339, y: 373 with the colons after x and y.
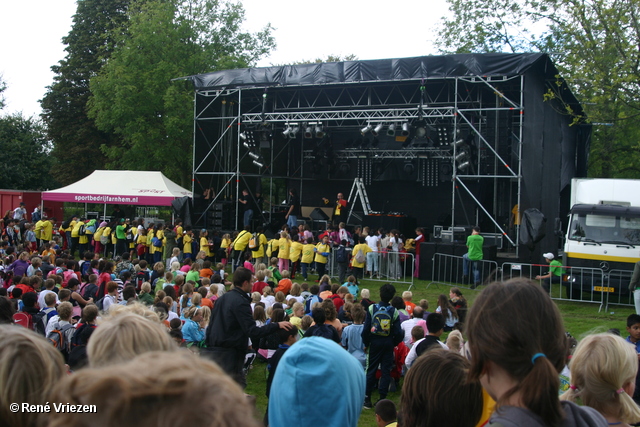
x: 376, y: 130
x: 407, y: 142
x: 365, y: 129
x: 246, y: 145
x: 293, y: 132
x: 421, y: 131
x: 463, y: 166
x: 287, y: 131
x: 254, y: 156
x: 308, y: 132
x: 243, y: 136
x: 462, y: 156
x: 258, y: 164
x: 319, y: 131
x: 458, y: 144
x: 391, y: 131
x: 408, y: 168
x: 405, y: 129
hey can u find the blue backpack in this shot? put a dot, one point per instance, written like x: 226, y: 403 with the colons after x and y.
x: 381, y: 319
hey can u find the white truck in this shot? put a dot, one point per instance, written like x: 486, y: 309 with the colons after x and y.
x: 604, y: 229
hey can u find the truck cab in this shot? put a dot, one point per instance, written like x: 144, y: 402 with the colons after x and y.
x: 603, y: 236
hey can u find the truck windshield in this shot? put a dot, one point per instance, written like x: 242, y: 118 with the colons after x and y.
x: 605, y: 229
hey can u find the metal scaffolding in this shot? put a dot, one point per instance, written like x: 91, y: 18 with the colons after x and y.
x: 462, y: 129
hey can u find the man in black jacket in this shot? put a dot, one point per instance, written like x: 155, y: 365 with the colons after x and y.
x: 232, y: 324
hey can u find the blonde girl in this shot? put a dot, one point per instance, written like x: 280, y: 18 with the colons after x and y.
x: 223, y: 252
x: 603, y: 375
x: 284, y: 249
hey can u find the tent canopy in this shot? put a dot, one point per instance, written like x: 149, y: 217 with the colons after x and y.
x: 150, y: 188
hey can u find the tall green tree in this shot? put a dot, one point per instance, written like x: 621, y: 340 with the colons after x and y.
x: 134, y: 96
x: 595, y: 46
x: 89, y: 44
x: 3, y: 87
x: 25, y: 160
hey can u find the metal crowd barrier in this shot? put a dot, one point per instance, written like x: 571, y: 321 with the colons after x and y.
x: 617, y: 290
x: 392, y: 267
x: 577, y: 284
x: 590, y: 285
x: 448, y: 270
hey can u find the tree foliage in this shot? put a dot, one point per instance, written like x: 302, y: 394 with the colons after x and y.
x: 595, y: 44
x: 134, y: 96
x: 88, y: 46
x: 3, y: 87
x: 25, y: 160
x: 329, y: 58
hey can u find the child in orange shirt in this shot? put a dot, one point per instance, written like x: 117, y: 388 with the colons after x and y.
x: 206, y: 270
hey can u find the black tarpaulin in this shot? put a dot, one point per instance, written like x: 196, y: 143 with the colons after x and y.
x: 533, y: 228
x: 422, y: 67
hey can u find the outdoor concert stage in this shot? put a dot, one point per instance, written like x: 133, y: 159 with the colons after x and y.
x: 451, y: 140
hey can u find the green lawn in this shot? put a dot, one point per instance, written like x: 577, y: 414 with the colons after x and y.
x: 580, y: 319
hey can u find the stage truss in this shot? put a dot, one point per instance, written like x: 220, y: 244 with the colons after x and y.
x: 473, y: 131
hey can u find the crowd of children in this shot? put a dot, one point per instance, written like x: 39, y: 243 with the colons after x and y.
x: 129, y: 316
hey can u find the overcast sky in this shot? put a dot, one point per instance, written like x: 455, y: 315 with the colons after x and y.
x: 31, y: 32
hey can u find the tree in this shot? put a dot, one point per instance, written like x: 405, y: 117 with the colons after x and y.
x: 89, y: 45
x: 25, y: 160
x: 595, y: 46
x: 329, y: 58
x: 134, y: 96
x: 3, y: 87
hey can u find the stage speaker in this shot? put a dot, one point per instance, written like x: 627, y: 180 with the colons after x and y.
x: 318, y: 215
x: 427, y: 250
x: 446, y: 171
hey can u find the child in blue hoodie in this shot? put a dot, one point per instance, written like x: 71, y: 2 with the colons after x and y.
x: 321, y: 364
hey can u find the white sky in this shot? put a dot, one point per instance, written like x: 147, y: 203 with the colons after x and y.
x: 31, y: 32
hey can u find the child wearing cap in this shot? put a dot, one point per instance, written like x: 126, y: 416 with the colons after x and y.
x: 555, y: 272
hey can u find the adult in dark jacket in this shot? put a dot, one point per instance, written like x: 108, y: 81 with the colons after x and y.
x: 380, y: 344
x: 232, y: 324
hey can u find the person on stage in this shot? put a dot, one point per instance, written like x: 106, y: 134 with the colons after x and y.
x: 340, y: 209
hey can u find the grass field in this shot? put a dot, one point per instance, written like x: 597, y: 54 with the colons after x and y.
x: 580, y: 319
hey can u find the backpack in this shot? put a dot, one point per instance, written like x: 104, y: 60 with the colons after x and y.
x: 41, y: 318
x: 104, y: 237
x: 89, y: 290
x: 156, y: 242
x: 382, y: 319
x: 60, y: 337
x: 23, y: 319
x: 341, y: 254
x: 100, y: 303
x: 309, y: 303
x: 66, y: 224
x: 82, y: 229
x: 75, y: 339
x: 360, y: 257
x: 141, y: 277
x: 68, y: 274
x: 84, y: 270
x: 129, y: 235
x: 254, y: 241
